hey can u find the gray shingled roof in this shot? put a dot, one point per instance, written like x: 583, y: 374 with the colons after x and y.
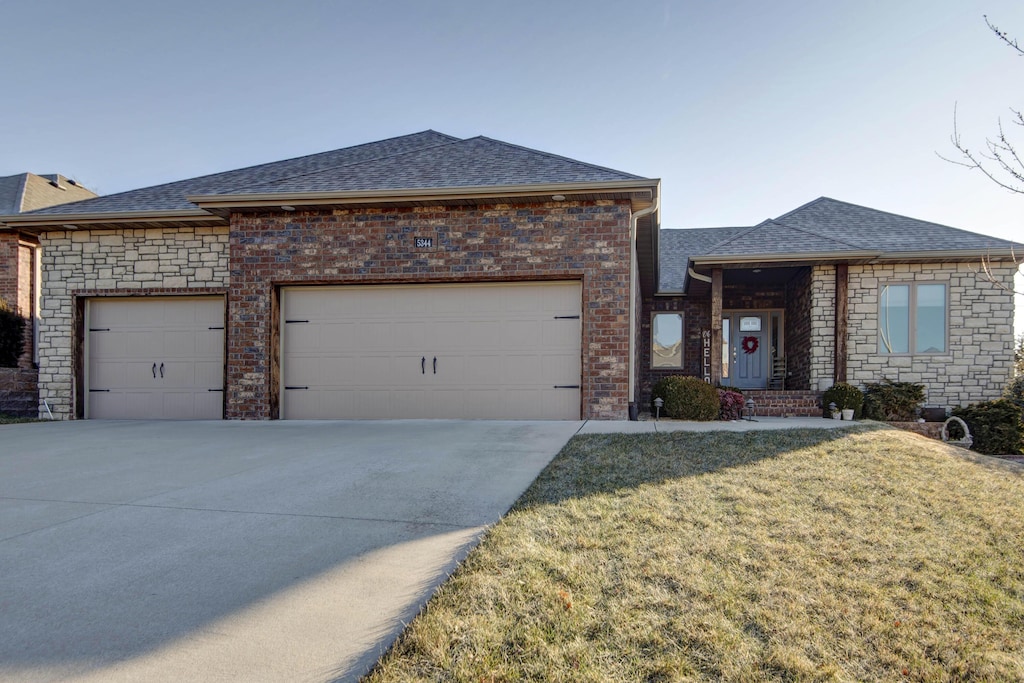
x: 475, y: 162
x: 421, y: 160
x: 10, y: 194
x: 822, y: 226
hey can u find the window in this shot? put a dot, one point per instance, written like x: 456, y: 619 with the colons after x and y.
x: 912, y: 318
x: 667, y: 340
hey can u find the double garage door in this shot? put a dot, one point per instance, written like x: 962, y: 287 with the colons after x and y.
x: 498, y: 351
x: 487, y: 351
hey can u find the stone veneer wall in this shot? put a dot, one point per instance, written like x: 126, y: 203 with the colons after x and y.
x: 85, y: 263
x: 823, y: 326
x: 979, y: 358
x: 588, y: 241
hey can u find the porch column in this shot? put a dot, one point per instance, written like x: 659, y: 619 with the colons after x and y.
x: 842, y: 309
x: 716, y: 326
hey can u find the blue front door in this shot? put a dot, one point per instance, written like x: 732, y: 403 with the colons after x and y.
x: 748, y: 346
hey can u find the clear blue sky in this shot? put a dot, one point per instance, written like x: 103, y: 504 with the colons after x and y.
x: 744, y: 109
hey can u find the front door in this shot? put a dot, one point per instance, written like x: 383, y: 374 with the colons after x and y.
x: 748, y: 347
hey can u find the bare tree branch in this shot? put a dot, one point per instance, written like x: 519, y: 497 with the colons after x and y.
x: 998, y: 151
x: 1003, y: 36
x: 987, y: 274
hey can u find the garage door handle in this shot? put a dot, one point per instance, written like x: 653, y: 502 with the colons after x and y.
x: 566, y: 386
x: 161, y: 371
x: 435, y: 365
x: 154, y: 370
x: 423, y: 365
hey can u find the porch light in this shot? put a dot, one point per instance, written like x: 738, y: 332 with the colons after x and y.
x: 558, y: 197
x: 658, y: 403
x: 749, y: 404
x: 287, y: 207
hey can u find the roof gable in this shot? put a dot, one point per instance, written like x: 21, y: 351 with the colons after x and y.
x: 823, y: 226
x: 172, y: 196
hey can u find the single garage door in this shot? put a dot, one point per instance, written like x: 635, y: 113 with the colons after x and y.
x: 487, y: 351
x: 155, y: 358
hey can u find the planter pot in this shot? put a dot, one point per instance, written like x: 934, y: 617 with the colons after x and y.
x: 847, y: 414
x: 836, y: 415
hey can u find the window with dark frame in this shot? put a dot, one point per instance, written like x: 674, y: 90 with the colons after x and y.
x: 667, y: 340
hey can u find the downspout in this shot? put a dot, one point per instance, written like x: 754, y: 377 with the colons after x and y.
x: 633, y: 286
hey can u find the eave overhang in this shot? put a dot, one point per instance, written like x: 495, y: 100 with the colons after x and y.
x: 34, y: 223
x: 641, y: 192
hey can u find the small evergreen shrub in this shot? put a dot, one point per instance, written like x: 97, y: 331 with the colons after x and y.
x: 686, y: 398
x: 995, y: 425
x: 12, y: 335
x: 893, y: 401
x: 845, y: 396
x: 730, y: 404
x: 1014, y: 392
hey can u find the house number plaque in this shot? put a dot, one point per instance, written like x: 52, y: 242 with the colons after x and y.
x: 424, y: 242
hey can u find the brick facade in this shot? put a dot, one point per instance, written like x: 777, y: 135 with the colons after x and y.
x: 586, y: 241
x: 82, y: 263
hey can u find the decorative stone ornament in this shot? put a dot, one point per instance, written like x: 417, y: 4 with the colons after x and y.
x: 966, y: 441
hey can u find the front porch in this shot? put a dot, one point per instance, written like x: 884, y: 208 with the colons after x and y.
x: 773, y: 331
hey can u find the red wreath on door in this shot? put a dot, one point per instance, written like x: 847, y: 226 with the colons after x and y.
x: 750, y: 344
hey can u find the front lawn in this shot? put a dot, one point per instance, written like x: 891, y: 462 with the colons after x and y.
x: 870, y: 554
x: 11, y: 419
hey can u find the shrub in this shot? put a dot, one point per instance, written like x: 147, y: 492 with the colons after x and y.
x: 12, y: 335
x: 893, y: 401
x: 730, y: 404
x: 1014, y: 392
x: 995, y: 425
x: 845, y: 396
x: 687, y: 398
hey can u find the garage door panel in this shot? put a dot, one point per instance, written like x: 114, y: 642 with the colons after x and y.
x: 157, y: 359
x: 499, y: 351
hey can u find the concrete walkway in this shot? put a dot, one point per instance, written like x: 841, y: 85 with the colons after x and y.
x: 653, y: 426
x: 239, y: 551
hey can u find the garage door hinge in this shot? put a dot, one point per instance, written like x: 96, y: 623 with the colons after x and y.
x: 92, y: 391
x: 296, y: 388
x: 295, y: 321
x: 567, y: 317
x: 99, y: 329
x: 567, y: 386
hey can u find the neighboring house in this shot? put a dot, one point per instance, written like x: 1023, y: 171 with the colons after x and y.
x: 431, y: 276
x: 18, y: 266
x: 831, y: 292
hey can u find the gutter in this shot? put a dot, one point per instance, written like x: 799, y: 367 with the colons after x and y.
x: 633, y: 287
x: 57, y: 221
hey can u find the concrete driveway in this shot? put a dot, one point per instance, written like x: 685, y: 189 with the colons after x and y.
x: 145, y: 551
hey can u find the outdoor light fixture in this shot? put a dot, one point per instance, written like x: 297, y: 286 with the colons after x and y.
x: 287, y: 207
x: 756, y: 270
x: 69, y: 226
x: 558, y: 197
x: 658, y: 403
x: 750, y: 409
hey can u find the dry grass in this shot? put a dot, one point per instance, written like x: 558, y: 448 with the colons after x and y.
x: 11, y: 419
x: 800, y: 555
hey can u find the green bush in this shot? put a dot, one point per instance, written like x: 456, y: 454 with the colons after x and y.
x: 1014, y: 392
x: 893, y: 401
x: 845, y: 396
x: 12, y: 335
x: 687, y: 398
x: 995, y: 425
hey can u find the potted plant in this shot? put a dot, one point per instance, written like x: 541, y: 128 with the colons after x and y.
x: 847, y: 399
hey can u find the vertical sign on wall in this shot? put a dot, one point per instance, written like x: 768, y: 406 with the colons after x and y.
x: 705, y: 337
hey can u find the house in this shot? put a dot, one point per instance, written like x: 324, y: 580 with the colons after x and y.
x: 428, y: 276
x: 421, y: 276
x: 833, y: 292
x: 18, y: 265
